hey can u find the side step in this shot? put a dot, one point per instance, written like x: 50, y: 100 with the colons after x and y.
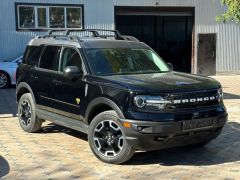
x: 62, y: 120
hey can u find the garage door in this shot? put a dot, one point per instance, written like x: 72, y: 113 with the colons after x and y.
x: 167, y: 31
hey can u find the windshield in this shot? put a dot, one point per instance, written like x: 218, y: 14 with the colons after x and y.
x: 124, y: 61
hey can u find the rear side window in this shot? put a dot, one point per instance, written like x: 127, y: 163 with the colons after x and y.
x: 50, y: 58
x: 31, y: 55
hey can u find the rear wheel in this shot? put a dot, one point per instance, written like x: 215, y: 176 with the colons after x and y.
x: 28, y: 119
x: 4, y: 80
x: 107, y: 139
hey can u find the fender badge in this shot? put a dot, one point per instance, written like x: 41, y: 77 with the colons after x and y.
x: 78, y: 100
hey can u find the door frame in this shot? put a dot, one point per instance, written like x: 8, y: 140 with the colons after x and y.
x: 215, y: 50
x: 164, y: 9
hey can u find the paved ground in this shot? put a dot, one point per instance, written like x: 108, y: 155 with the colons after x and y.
x: 60, y: 153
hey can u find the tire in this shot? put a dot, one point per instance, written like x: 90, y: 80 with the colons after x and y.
x: 107, y: 141
x: 27, y: 117
x: 5, y: 80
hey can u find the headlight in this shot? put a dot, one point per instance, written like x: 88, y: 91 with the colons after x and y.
x: 150, y: 103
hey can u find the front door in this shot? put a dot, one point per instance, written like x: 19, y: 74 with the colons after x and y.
x: 68, y: 93
x: 206, y: 62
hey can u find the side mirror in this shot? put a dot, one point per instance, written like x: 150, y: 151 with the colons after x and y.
x: 72, y: 72
x: 170, y: 66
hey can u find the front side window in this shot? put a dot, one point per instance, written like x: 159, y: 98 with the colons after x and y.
x: 124, y: 61
x: 50, y: 58
x: 26, y: 17
x: 70, y: 57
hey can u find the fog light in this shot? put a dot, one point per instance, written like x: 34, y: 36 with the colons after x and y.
x: 127, y: 125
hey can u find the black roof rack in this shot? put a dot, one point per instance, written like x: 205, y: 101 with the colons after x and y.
x: 95, y: 32
x: 50, y: 32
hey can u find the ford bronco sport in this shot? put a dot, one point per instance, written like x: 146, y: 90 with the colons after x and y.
x: 118, y: 91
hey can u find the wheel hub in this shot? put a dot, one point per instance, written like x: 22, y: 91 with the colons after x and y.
x: 108, y: 138
x: 3, y: 80
x: 25, y: 113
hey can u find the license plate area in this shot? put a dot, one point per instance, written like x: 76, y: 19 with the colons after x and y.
x: 197, y: 124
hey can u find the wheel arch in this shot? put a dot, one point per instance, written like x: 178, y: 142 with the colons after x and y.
x: 99, y: 105
x: 23, y: 88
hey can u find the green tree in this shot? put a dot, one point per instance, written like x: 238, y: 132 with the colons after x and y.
x: 232, y: 13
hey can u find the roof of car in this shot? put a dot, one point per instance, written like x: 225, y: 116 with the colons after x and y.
x: 54, y: 40
x: 96, y: 40
x: 86, y: 42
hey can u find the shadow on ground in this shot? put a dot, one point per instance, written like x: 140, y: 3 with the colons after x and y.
x: 8, y: 107
x: 230, y: 96
x: 4, y: 167
x: 216, y: 152
x: 54, y: 128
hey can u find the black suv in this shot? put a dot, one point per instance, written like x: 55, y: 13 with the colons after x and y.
x: 118, y: 91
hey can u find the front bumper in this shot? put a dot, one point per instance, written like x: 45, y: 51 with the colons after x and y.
x: 148, y: 135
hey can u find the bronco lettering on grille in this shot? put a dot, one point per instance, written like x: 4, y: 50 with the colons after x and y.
x: 193, y: 100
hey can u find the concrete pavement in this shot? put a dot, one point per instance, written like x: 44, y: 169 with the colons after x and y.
x: 60, y: 153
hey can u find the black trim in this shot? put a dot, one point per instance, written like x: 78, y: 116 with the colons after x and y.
x: 150, y: 135
x: 26, y: 86
x: 153, y: 9
x: 47, y: 5
x: 103, y: 100
x: 63, y: 120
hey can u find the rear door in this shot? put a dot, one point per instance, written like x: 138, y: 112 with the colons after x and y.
x: 47, y: 68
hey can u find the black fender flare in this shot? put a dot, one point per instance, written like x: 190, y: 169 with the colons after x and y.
x: 26, y: 86
x: 106, y: 101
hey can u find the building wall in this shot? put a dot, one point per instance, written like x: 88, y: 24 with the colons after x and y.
x: 100, y: 14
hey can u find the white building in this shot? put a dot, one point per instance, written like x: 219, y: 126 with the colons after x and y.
x: 183, y: 32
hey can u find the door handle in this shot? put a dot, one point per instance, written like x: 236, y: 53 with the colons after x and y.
x: 57, y: 82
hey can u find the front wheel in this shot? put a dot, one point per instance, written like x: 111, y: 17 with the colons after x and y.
x: 107, y: 139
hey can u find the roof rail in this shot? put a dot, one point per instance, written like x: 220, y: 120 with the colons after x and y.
x: 95, y: 33
x: 50, y: 32
x: 130, y: 38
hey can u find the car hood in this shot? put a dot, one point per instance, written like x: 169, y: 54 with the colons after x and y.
x: 8, y: 65
x: 163, y: 82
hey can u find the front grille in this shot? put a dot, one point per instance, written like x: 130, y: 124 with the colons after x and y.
x: 193, y: 95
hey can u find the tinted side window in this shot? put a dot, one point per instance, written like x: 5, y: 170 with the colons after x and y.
x: 28, y: 55
x: 70, y: 57
x: 50, y: 58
